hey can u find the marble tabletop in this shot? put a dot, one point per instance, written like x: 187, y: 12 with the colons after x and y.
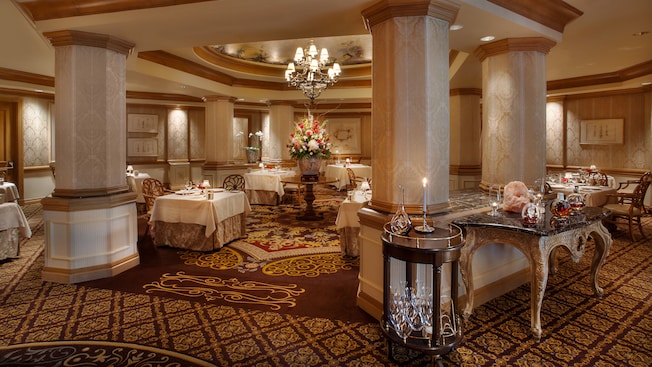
x: 548, y: 226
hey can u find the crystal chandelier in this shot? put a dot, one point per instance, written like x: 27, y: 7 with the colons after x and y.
x: 308, y: 73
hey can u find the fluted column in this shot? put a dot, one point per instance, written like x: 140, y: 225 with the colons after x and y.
x: 90, y: 219
x: 410, y: 97
x: 281, y: 120
x: 514, y: 110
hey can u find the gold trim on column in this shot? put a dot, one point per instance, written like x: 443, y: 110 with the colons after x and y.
x: 539, y: 44
x: 71, y: 204
x: 388, y: 9
x: 79, y: 38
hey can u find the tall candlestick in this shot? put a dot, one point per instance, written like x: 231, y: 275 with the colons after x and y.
x: 425, y: 194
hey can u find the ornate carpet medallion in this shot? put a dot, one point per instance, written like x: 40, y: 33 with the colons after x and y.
x: 223, y: 259
x: 310, y: 266
x: 231, y: 290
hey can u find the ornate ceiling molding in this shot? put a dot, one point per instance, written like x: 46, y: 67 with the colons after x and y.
x: 554, y: 14
x: 70, y: 37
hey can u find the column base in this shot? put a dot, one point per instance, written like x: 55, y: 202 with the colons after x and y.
x: 88, y: 239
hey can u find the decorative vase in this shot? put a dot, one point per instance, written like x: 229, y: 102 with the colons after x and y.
x: 576, y: 201
x: 309, y: 168
x: 401, y: 223
x: 252, y: 155
x: 560, y: 207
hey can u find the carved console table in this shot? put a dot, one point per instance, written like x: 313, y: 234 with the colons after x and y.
x: 539, y: 244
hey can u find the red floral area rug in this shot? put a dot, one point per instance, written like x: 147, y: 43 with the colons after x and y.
x: 274, y: 232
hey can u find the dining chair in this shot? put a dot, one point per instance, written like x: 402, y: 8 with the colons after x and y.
x: 630, y: 205
x: 234, y: 182
x: 151, y: 188
x: 353, y: 180
x: 598, y: 179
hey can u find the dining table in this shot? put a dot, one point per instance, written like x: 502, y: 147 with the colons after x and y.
x: 339, y: 172
x: 593, y: 195
x: 9, y: 192
x: 13, y: 224
x: 200, y: 220
x: 347, y: 222
x: 264, y: 186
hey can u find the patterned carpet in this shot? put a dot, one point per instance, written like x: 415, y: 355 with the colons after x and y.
x: 579, y: 330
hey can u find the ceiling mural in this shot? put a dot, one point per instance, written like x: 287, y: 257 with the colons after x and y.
x: 347, y: 50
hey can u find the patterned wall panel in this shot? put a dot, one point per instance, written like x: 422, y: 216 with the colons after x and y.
x: 632, y: 154
x: 555, y: 133
x: 196, y: 119
x: 177, y: 134
x: 36, y: 134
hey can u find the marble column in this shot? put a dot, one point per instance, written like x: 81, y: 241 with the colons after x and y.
x: 281, y: 123
x: 514, y: 110
x: 465, y: 130
x: 410, y: 124
x: 219, y: 130
x: 410, y: 97
x: 90, y: 218
x: 219, y: 138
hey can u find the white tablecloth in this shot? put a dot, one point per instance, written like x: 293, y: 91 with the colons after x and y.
x: 10, y: 192
x: 12, y: 222
x: 197, y: 209
x: 593, y: 195
x: 260, y: 183
x: 339, y: 172
x: 136, y: 185
x: 348, y: 223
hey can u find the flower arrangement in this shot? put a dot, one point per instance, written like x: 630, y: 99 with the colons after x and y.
x: 309, y: 139
x: 259, y: 134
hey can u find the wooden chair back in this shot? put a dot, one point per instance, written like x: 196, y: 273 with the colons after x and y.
x: 234, y: 182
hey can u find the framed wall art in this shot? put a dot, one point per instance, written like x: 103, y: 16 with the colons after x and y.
x: 142, y: 147
x: 601, y: 132
x: 142, y: 123
x: 345, y: 135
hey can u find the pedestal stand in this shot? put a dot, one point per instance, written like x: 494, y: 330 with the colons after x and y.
x: 413, y: 316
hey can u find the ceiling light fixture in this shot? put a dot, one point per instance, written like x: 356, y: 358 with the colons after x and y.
x: 487, y: 38
x: 310, y: 73
x: 456, y: 27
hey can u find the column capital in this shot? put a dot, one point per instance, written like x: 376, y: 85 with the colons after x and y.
x: 79, y: 38
x: 278, y: 102
x: 215, y: 98
x: 387, y: 9
x: 538, y: 44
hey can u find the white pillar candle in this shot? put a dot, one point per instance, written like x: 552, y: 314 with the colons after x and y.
x: 425, y: 194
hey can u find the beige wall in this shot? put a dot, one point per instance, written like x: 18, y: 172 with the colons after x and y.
x: 563, y: 150
x: 563, y: 131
